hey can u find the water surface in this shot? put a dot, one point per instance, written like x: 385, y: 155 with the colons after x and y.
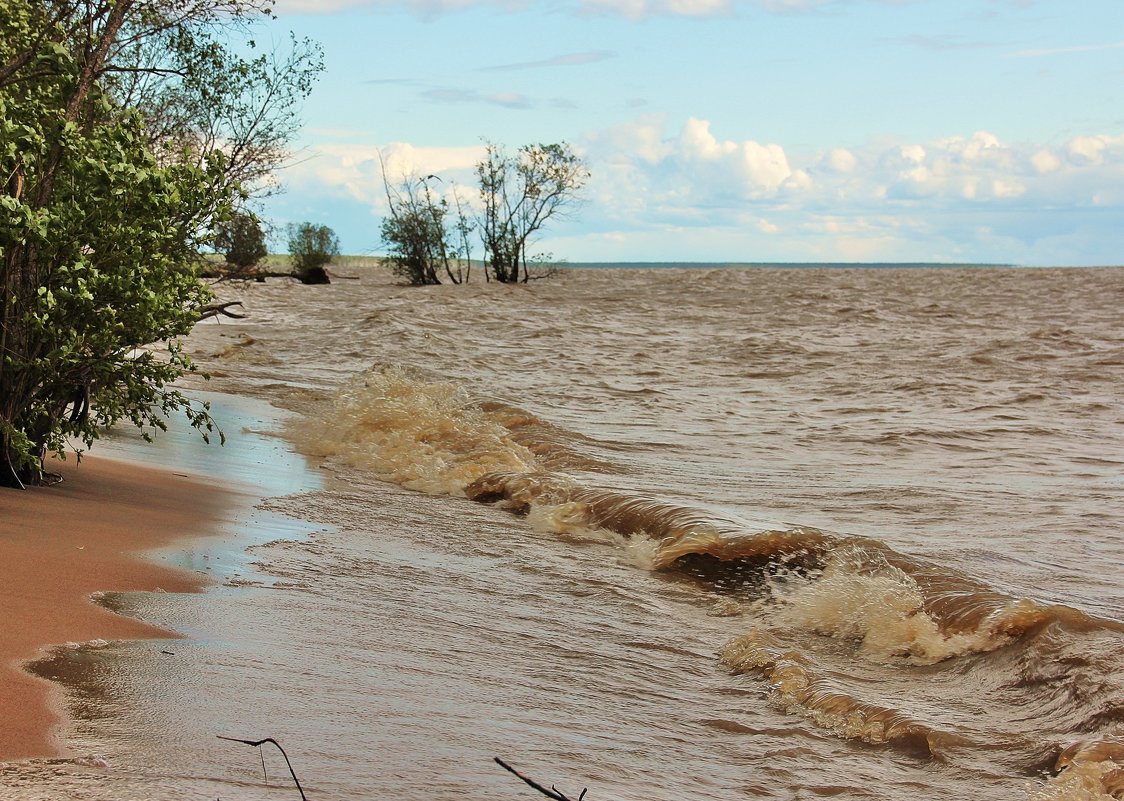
x: 668, y: 534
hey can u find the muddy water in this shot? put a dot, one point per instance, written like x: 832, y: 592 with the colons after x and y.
x: 707, y: 534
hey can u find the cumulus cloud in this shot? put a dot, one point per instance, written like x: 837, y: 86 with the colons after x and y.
x: 1045, y: 161
x: 912, y: 153
x: 687, y: 176
x: 841, y: 160
x: 958, y: 197
x: 754, y: 166
x: 354, y: 171
x: 1088, y: 149
x: 968, y: 197
x: 1006, y: 188
x: 641, y: 139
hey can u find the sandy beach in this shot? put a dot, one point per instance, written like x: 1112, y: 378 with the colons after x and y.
x: 61, y: 544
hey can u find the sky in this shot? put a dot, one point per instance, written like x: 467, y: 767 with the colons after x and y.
x: 734, y: 130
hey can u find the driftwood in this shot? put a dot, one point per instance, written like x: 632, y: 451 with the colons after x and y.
x: 220, y: 310
x: 315, y: 275
x: 258, y: 744
x: 551, y: 793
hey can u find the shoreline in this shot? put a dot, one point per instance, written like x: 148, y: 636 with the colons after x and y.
x: 95, y: 532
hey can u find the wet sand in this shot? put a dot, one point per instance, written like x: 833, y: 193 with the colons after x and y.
x: 61, y: 544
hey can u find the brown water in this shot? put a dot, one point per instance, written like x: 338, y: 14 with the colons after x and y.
x: 736, y: 534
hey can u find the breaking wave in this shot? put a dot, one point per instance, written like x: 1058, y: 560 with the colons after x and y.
x: 794, y: 583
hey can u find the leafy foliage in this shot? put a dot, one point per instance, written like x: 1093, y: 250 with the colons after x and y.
x: 199, y: 97
x: 519, y: 194
x: 100, y: 221
x: 311, y: 248
x: 419, y: 237
x: 241, y: 240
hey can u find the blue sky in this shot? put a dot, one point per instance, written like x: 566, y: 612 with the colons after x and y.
x: 719, y: 130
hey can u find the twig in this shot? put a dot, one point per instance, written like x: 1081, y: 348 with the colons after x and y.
x: 259, y: 743
x: 551, y: 793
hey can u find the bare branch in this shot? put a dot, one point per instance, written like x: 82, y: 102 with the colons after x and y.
x: 220, y: 310
x: 551, y: 793
x: 260, y: 743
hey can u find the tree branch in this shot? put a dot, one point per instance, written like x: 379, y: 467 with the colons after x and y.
x: 260, y: 743
x: 551, y: 793
x: 220, y: 310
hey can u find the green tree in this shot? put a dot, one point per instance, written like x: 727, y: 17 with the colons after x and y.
x: 519, y: 194
x: 100, y: 230
x: 423, y: 236
x: 311, y: 248
x: 241, y: 240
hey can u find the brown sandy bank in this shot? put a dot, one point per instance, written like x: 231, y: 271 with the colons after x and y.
x: 60, y: 544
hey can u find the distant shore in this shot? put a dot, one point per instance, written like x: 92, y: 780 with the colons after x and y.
x: 58, y: 546
x: 280, y: 261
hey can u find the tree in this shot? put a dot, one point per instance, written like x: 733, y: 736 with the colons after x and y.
x: 519, y: 194
x: 199, y: 96
x: 311, y: 247
x: 241, y: 240
x: 418, y: 233
x: 102, y: 219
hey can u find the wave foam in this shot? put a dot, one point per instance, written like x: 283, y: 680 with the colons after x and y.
x: 424, y: 435
x: 799, y: 690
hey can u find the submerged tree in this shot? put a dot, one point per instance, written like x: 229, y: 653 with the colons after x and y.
x: 241, y: 240
x: 419, y: 235
x: 311, y: 248
x: 102, y: 211
x: 519, y: 194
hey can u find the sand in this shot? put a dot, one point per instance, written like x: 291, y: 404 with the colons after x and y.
x: 60, y: 544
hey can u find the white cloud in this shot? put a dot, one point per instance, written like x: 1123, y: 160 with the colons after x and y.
x: 353, y: 170
x: 915, y: 201
x: 1088, y: 148
x: 402, y: 156
x: 658, y: 188
x: 841, y: 160
x: 914, y: 153
x: 641, y: 139
x: 980, y: 146
x: 1006, y: 187
x: 756, y: 166
x: 1045, y: 161
x: 799, y: 180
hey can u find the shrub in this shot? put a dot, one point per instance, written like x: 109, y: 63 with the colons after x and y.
x: 241, y: 240
x: 311, y: 248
